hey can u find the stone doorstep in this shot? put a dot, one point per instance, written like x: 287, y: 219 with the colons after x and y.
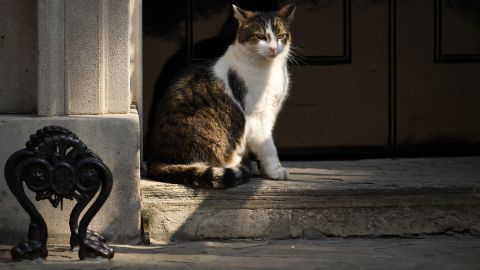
x: 375, y: 197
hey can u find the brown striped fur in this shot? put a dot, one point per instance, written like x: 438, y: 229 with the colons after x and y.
x: 197, y: 130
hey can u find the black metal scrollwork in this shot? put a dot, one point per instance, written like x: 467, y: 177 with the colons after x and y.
x: 56, y: 165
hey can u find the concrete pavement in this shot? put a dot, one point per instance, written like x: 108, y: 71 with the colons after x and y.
x: 423, y: 253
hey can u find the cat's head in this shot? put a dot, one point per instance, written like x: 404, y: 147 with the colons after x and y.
x: 265, y: 34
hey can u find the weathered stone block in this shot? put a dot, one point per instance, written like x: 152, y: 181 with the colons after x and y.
x: 115, y: 138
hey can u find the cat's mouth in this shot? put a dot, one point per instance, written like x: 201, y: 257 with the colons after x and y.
x: 272, y: 55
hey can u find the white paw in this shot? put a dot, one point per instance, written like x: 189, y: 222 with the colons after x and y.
x: 279, y: 173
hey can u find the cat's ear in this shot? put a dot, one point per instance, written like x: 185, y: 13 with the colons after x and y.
x: 287, y: 12
x: 242, y: 15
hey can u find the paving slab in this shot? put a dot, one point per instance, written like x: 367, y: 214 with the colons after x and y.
x: 453, y: 252
x: 334, y: 198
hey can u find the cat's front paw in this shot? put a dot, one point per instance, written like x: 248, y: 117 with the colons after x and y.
x: 278, y: 173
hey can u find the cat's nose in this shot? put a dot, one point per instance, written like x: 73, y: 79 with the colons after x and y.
x: 273, y: 49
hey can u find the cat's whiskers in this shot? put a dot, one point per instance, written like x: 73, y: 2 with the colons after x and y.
x: 296, y: 48
x: 296, y: 55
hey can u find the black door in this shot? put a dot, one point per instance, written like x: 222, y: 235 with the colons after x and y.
x: 369, y: 77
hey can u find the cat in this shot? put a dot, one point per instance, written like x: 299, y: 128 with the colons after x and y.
x: 213, y: 116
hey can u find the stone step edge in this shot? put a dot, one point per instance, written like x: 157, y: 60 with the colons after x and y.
x: 168, y: 196
x: 178, y: 213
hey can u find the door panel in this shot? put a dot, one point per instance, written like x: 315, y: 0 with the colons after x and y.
x: 438, y: 80
x: 340, y: 103
x: 457, y: 28
x: 321, y: 27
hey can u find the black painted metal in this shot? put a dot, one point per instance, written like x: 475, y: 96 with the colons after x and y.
x: 56, y: 165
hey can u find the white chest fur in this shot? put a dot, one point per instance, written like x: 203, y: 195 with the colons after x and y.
x: 266, y: 88
x: 266, y: 82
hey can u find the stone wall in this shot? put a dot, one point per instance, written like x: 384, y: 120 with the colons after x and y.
x: 18, y: 56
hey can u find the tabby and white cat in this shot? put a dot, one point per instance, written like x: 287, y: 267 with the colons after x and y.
x: 214, y: 115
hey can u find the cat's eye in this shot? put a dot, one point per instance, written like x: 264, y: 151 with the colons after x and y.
x: 260, y: 36
x: 281, y: 36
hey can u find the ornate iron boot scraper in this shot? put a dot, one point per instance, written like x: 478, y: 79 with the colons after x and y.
x: 56, y: 165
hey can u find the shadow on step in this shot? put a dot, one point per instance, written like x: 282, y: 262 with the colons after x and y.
x: 374, y: 197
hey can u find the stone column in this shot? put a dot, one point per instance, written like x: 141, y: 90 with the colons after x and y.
x: 51, y: 57
x: 85, y: 61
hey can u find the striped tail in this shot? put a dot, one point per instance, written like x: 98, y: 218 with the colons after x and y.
x: 199, y: 175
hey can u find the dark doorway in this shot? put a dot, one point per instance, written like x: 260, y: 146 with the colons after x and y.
x: 371, y: 78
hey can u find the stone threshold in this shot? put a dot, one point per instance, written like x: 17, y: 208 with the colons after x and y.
x: 374, y: 197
